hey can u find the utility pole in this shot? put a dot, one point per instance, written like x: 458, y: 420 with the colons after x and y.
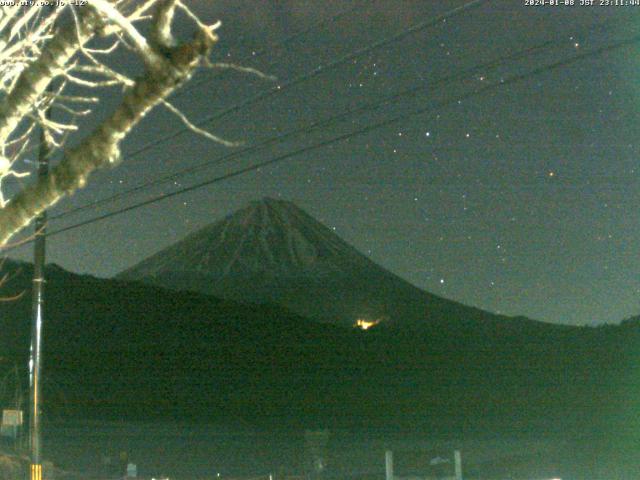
x: 388, y: 465
x: 37, y: 304
x: 457, y: 457
x: 37, y: 307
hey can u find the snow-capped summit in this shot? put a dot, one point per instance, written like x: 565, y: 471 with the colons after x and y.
x: 268, y: 237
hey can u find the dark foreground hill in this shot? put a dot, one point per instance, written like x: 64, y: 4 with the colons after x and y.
x: 114, y: 349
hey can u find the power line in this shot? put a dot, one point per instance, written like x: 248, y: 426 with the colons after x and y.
x: 398, y: 36
x: 315, y: 125
x: 313, y: 73
x: 367, y: 129
x: 484, y: 67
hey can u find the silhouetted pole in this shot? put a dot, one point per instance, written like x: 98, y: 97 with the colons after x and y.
x: 388, y: 465
x: 35, y: 360
x: 457, y: 456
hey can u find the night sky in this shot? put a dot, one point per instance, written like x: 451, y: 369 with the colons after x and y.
x: 521, y: 200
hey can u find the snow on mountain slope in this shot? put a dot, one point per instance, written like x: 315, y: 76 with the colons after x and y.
x: 273, y: 251
x: 271, y: 237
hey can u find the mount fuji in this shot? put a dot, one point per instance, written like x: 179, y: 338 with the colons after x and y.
x: 272, y: 251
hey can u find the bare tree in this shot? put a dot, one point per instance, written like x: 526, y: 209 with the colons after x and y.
x: 47, y: 55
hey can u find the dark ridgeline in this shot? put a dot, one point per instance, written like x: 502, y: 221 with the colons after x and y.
x: 126, y: 349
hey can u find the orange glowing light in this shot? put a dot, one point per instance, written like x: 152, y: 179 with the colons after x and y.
x: 366, y: 324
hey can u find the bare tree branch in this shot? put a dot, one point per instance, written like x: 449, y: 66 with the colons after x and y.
x: 33, y: 81
x: 194, y: 128
x: 37, y: 53
x: 102, y: 148
x: 152, y: 59
x: 161, y: 33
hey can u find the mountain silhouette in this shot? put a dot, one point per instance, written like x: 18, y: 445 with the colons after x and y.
x: 274, y: 252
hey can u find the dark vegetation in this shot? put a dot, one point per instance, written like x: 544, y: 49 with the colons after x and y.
x: 115, y: 350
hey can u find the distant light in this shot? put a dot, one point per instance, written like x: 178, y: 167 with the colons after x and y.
x: 366, y: 324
